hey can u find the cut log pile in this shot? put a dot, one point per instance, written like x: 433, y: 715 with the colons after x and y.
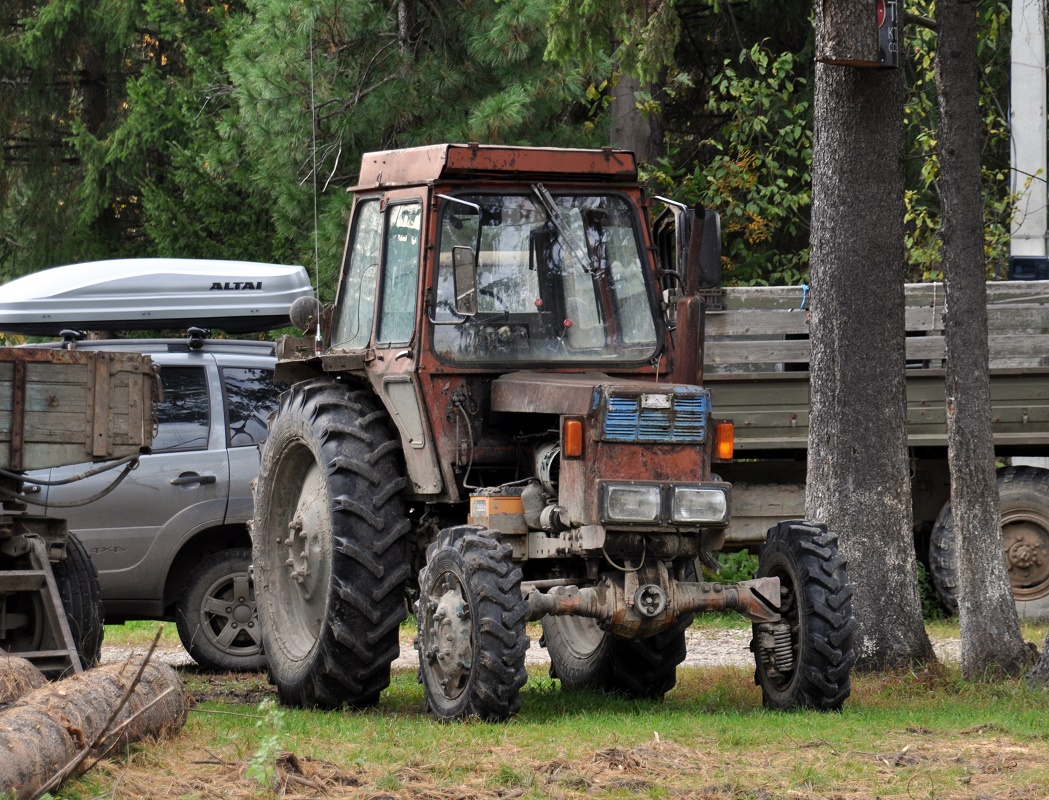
x: 17, y: 677
x: 57, y: 730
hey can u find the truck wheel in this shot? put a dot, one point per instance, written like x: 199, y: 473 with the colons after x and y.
x: 216, y: 615
x: 329, y: 546
x: 1023, y: 497
x: 472, y: 639
x: 81, y: 595
x: 804, y: 660
x: 943, y: 559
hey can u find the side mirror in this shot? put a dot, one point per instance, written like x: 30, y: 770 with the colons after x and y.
x: 464, y: 276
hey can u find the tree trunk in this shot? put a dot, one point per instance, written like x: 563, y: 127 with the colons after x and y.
x: 631, y: 130
x: 48, y: 728
x: 990, y: 629
x: 847, y: 32
x: 858, y: 477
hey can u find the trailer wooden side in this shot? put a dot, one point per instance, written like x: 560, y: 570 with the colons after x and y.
x: 756, y: 367
x: 68, y: 406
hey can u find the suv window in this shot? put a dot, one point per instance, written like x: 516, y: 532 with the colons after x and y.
x: 251, y: 395
x: 183, y: 415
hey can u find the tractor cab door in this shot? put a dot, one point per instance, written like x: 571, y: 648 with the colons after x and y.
x: 688, y: 244
x: 378, y: 313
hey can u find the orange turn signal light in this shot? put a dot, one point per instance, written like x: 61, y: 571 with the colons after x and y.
x: 572, y: 439
x: 726, y: 441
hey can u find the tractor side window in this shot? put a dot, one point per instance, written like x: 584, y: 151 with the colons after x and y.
x: 400, y: 275
x: 183, y: 418
x: 353, y: 325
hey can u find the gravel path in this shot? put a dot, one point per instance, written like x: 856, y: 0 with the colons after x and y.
x: 710, y: 647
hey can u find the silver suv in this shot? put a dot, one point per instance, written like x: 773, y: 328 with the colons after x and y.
x: 170, y: 541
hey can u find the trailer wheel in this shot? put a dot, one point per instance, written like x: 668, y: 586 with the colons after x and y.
x: 329, y: 546
x: 472, y: 639
x: 81, y: 595
x: 583, y: 656
x: 804, y: 660
x: 217, y: 618
x: 1023, y: 498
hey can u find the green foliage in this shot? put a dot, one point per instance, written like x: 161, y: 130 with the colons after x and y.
x: 737, y: 566
x: 921, y: 115
x: 636, y: 38
x: 932, y: 608
x: 758, y: 176
x: 262, y: 765
x: 380, y: 80
x: 182, y: 128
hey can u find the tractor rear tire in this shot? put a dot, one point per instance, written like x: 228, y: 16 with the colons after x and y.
x: 329, y: 545
x: 472, y: 639
x: 582, y: 656
x: 804, y: 661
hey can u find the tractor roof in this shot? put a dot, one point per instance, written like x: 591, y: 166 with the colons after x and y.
x: 421, y: 165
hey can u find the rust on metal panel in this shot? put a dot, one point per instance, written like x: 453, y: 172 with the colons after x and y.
x: 607, y: 164
x: 551, y: 393
x: 412, y: 165
x: 555, y: 393
x: 625, y: 462
x: 422, y: 165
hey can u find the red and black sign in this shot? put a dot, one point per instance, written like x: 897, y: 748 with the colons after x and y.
x: 890, y: 32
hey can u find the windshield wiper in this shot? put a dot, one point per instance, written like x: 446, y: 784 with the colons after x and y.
x: 575, y: 247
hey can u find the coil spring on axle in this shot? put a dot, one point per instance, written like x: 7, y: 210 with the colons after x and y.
x: 783, y: 649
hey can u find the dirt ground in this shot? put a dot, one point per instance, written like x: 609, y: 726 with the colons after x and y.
x: 706, y: 648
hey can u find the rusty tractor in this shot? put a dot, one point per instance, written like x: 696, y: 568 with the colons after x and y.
x: 502, y: 418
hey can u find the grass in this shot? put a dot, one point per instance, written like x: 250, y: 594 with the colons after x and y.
x: 139, y: 633
x: 919, y: 734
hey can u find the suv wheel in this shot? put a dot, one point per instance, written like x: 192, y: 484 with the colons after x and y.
x: 217, y: 617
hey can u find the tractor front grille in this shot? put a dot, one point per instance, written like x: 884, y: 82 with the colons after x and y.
x: 680, y: 418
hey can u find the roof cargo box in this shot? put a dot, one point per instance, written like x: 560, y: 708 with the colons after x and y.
x: 152, y: 294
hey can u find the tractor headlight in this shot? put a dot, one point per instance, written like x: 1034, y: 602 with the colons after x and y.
x: 700, y: 505
x: 631, y: 503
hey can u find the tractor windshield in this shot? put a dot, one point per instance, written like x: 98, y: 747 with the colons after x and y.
x: 559, y: 278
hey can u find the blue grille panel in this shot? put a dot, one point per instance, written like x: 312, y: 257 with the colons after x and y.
x: 683, y: 422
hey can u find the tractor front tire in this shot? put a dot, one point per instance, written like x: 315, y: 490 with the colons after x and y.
x: 329, y: 545
x: 804, y: 661
x: 472, y: 639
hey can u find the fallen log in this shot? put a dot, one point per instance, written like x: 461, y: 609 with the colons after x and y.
x: 17, y: 677
x: 100, y: 711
